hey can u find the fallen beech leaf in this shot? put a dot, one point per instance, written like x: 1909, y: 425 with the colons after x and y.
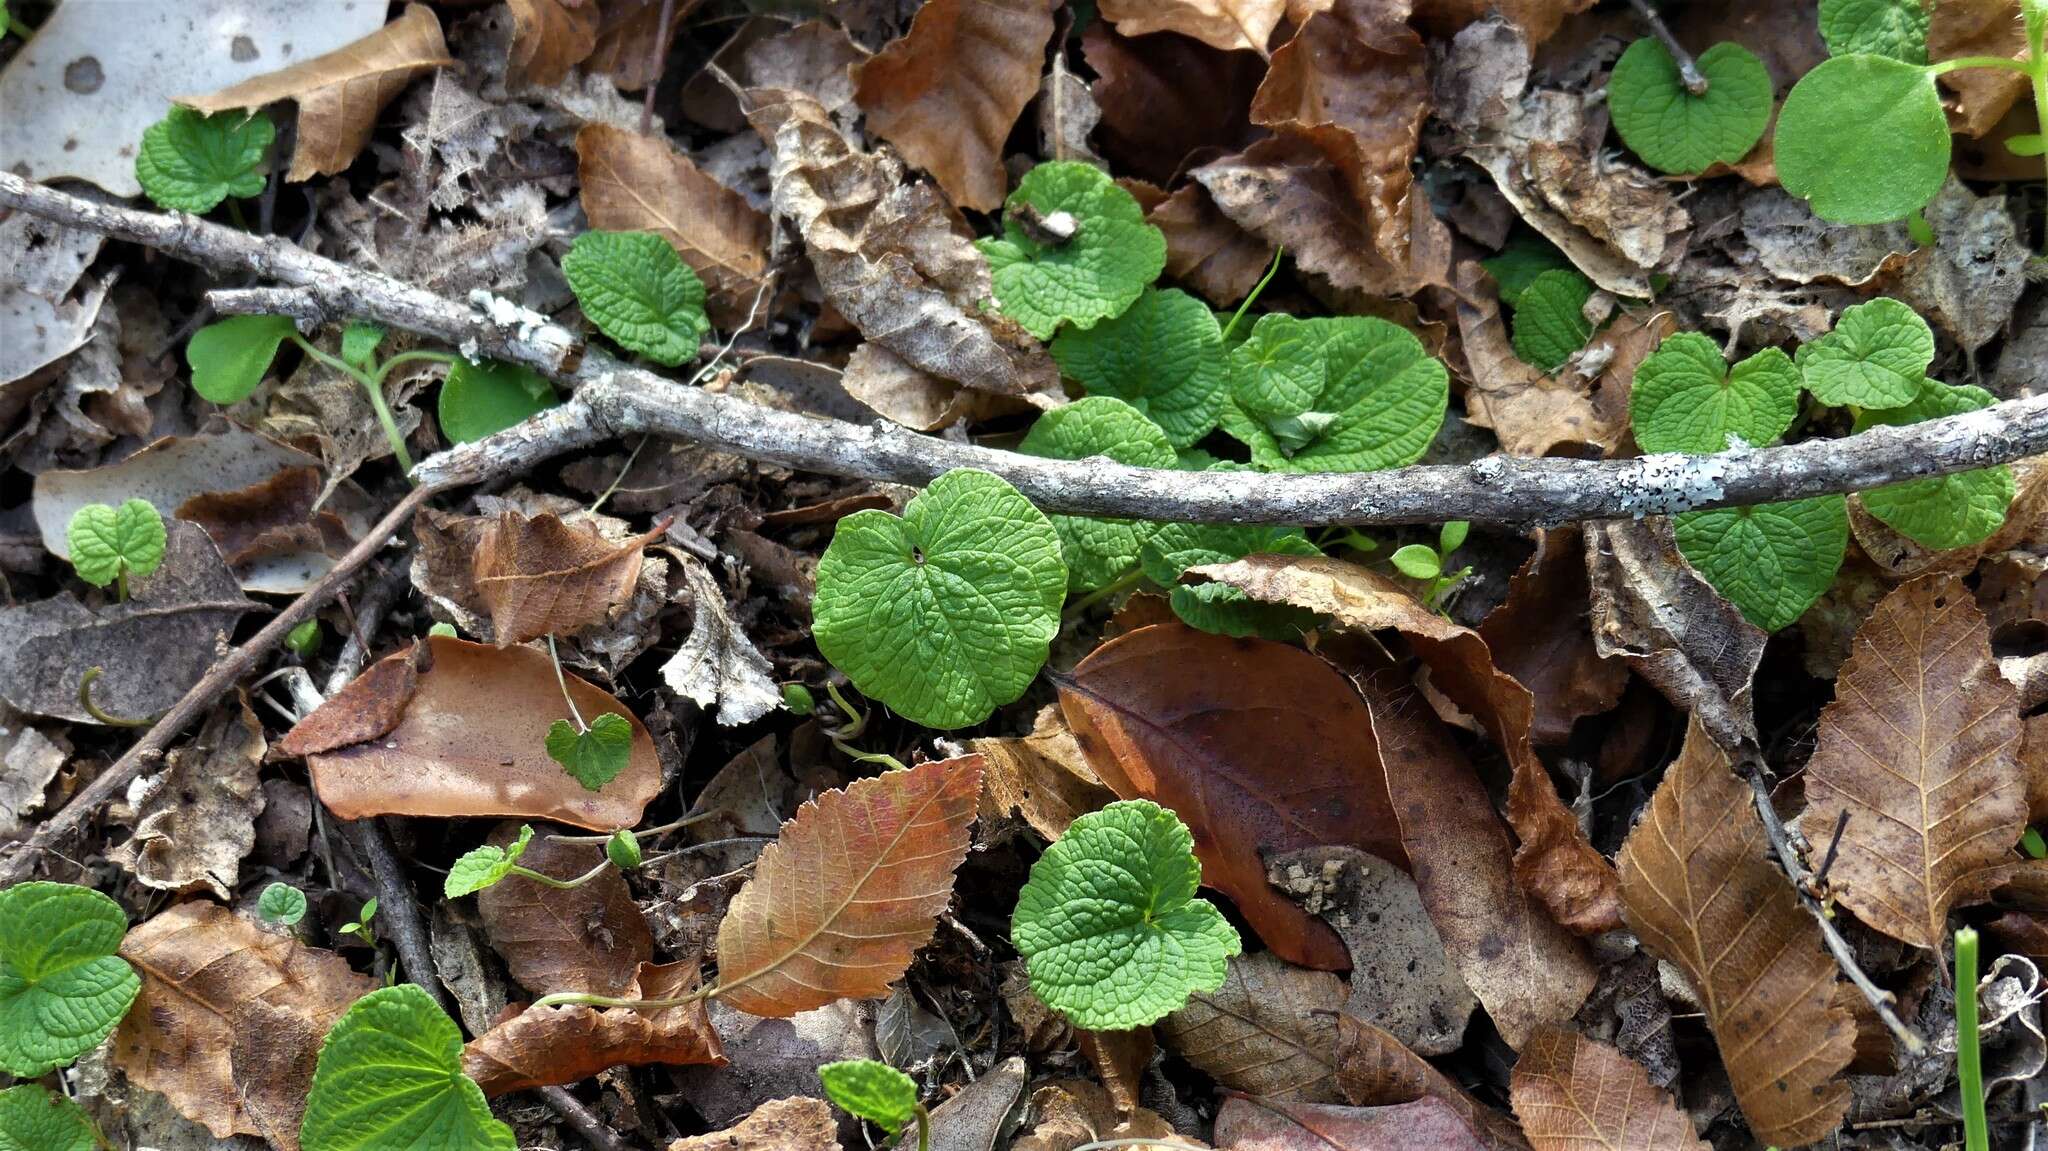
x: 635, y: 183
x: 1374, y: 1070
x: 1067, y: 1113
x: 339, y: 94
x: 796, y: 1124
x: 1246, y: 1124
x: 592, y: 938
x: 196, y: 819
x: 539, y: 576
x: 947, y: 92
x: 549, y: 37
x: 1205, y: 250
x: 1120, y: 1059
x: 1166, y: 97
x: 1225, y: 24
x: 848, y: 891
x: 1270, y: 1030
x: 1257, y: 746
x: 1978, y: 28
x: 717, y: 662
x: 1660, y: 618
x: 1701, y: 890
x: 543, y: 1046
x: 1540, y: 635
x: 276, y: 517
x: 1555, y: 863
x: 472, y: 742
x: 1919, y: 747
x: 1538, y: 19
x: 629, y: 26
x: 368, y: 707
x: 208, y: 977
x: 1043, y: 777
x: 1573, y: 1092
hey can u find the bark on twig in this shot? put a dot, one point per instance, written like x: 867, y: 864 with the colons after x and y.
x: 1688, y: 68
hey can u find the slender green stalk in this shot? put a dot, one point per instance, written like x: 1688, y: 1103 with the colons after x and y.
x: 2036, y: 18
x: 372, y: 386
x: 924, y: 1129
x: 563, y: 884
x: 1256, y: 289
x: 650, y: 833
x: 2001, y: 63
x: 1969, y: 1058
x: 384, y: 369
x: 92, y: 709
x: 564, y: 685
x: 857, y: 722
x: 1122, y: 583
x: 579, y: 999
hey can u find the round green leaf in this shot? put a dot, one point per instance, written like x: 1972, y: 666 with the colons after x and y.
x: 1863, y: 139
x: 480, y: 399
x: 1279, y: 369
x: 1876, y: 357
x: 638, y: 291
x: 1676, y: 131
x: 1099, y: 551
x: 1163, y: 356
x: 229, y: 357
x: 281, y: 904
x: 62, y: 987
x: 1894, y: 28
x: 1108, y: 924
x: 1041, y: 280
x: 623, y: 850
x: 390, y: 1079
x: 190, y: 163
x: 948, y: 612
x: 107, y: 543
x: 34, y: 1118
x: 359, y: 342
x: 1380, y: 405
x: 478, y: 869
x: 874, y: 1091
x: 1516, y: 266
x: 1771, y: 561
x: 1685, y: 399
x: 1417, y: 561
x: 1174, y: 548
x: 1550, y: 322
x: 596, y: 756
x: 1949, y: 511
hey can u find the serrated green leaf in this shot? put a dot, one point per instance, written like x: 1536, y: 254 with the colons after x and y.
x: 35, y: 1118
x: 390, y: 1079
x: 1099, y: 551
x: 1863, y: 139
x: 359, y: 342
x: 1094, y: 274
x: 1381, y: 401
x: 190, y: 163
x: 1550, y: 322
x: 107, y: 543
x: 478, y: 400
x: 1949, y: 511
x: 1163, y: 356
x: 62, y: 987
x: 1894, y: 28
x: 1685, y: 398
x: 1676, y: 131
x: 1417, y: 561
x: 1517, y: 266
x: 486, y: 865
x: 1214, y: 607
x: 1108, y: 924
x: 281, y: 904
x: 229, y: 357
x: 638, y: 291
x: 1876, y: 357
x: 594, y: 757
x: 948, y: 612
x: 1771, y: 561
x: 873, y: 1091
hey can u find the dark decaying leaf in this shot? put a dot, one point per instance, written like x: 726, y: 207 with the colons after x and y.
x: 1270, y: 1030
x: 539, y: 576
x: 541, y: 1046
x: 1248, y: 1124
x: 1541, y: 635
x: 591, y: 938
x: 1375, y: 1070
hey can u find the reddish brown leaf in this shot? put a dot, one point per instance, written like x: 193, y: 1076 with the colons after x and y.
x: 1247, y: 1124
x: 1701, y: 891
x: 1166, y: 98
x: 1541, y: 636
x: 1375, y: 1070
x: 1258, y: 746
x: 592, y: 938
x: 1205, y: 250
x: 1978, y: 28
x: 1572, y: 1092
x: 1918, y: 748
x: 625, y: 36
x: 849, y: 891
x: 1269, y: 1031
x: 268, y: 518
x: 947, y: 92
x: 1120, y: 1059
x: 543, y: 1046
x: 1043, y: 777
x: 472, y: 742
x: 549, y: 37
x: 797, y: 1124
x: 369, y: 707
x: 539, y: 576
x: 1226, y: 24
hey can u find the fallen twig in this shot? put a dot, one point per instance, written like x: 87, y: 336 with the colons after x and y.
x: 1688, y: 68
x: 582, y: 1120
x: 615, y: 399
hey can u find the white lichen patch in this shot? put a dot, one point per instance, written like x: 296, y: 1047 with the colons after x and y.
x: 1667, y: 483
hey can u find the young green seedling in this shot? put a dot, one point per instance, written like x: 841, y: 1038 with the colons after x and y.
x: 281, y: 905
x: 592, y: 753
x: 304, y: 639
x: 638, y: 291
x: 390, y: 1075
x: 1339, y: 394
x: 63, y: 988
x: 1425, y: 563
x: 1075, y: 249
x: 359, y: 927
x: 797, y: 699
x: 879, y: 1094
x: 189, y: 162
x: 110, y: 544
x: 34, y: 1118
x: 489, y: 865
x: 1677, y: 131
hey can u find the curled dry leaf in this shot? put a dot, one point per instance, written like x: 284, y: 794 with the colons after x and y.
x: 208, y: 978
x: 471, y: 742
x: 368, y: 707
x: 549, y: 37
x: 1540, y: 635
x: 1120, y: 1059
x: 1042, y: 777
x: 591, y: 938
x: 196, y: 819
x: 1257, y: 746
x: 1374, y: 1070
x: 795, y: 1124
x: 635, y: 183
x: 339, y: 94
x: 1572, y: 1092
x: 1205, y: 249
x: 1702, y: 892
x: 1919, y: 748
x: 947, y: 92
x: 543, y: 1046
x: 977, y: 1117
x: 539, y: 576
x: 1229, y: 25
x: 849, y: 891
x: 274, y: 519
x: 1270, y: 1030
x: 1067, y: 1113
x: 1978, y: 28
x: 1247, y: 1124
x: 717, y: 662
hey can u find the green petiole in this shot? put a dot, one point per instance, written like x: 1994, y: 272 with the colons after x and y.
x: 1969, y: 1057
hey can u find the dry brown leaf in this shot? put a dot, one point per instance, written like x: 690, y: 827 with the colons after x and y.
x: 549, y: 37
x: 204, y: 970
x: 1285, y: 192
x: 272, y: 517
x: 1572, y: 1092
x: 1257, y: 746
x: 626, y: 37
x: 1120, y: 1059
x: 1978, y: 28
x: 1205, y: 250
x: 848, y: 891
x: 794, y: 1124
x: 339, y: 94
x: 539, y: 576
x: 1247, y: 1124
x: 591, y: 938
x: 881, y: 381
x: 1919, y: 748
x: 368, y: 707
x: 1225, y: 24
x: 1541, y: 636
x: 1043, y: 777
x: 472, y: 742
x: 947, y: 92
x: 1270, y: 1030
x: 1555, y: 863
x: 196, y: 819
x: 1067, y: 1113
x: 544, y: 1046
x: 635, y: 183
x: 717, y: 663
x: 1374, y: 1070
x: 1168, y: 101
x: 2033, y: 757
x: 1539, y: 19
x: 1702, y: 892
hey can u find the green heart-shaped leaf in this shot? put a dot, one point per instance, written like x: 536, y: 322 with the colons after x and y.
x: 1676, y: 131
x: 1214, y: 607
x: 281, y: 904
x: 108, y: 543
x: 1772, y: 561
x: 1863, y: 139
x: 1876, y: 357
x: 390, y: 1079
x: 594, y: 757
x: 1098, y: 552
x: 229, y: 357
x: 1163, y: 356
x: 62, y: 987
x: 1686, y: 399
x: 189, y: 162
x: 1895, y: 28
x: 480, y: 399
x: 1950, y: 511
x: 1550, y: 322
x: 1379, y: 405
x: 34, y: 1118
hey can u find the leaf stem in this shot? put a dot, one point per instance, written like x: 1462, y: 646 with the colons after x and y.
x: 1122, y: 583
x: 1257, y: 288
x: 384, y: 369
x: 579, y: 999
x: 563, y: 683
x: 2037, y: 72
x: 373, y: 386
x: 561, y: 884
x: 1969, y: 1058
x: 92, y: 709
x: 673, y: 825
x: 2002, y: 63
x: 924, y: 1129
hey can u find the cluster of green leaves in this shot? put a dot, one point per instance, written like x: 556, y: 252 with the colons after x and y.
x: 639, y: 292
x: 1674, y: 130
x: 1546, y: 299
x: 390, y: 1075
x: 1426, y: 563
x: 189, y: 162
x: 360, y: 925
x: 63, y: 988
x: 877, y: 1093
x: 110, y: 544
x: 34, y: 1118
x: 1774, y: 560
